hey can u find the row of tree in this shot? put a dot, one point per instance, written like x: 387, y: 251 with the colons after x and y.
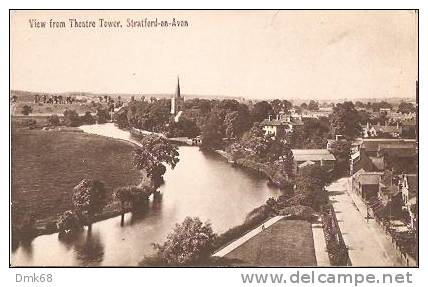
x: 90, y: 196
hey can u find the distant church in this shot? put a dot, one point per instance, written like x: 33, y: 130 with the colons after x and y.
x: 177, y: 102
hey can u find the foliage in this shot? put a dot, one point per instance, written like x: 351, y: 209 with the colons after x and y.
x: 313, y: 134
x: 103, y: 115
x: 406, y: 108
x: 68, y: 222
x: 87, y: 119
x: 345, y: 120
x: 280, y: 106
x: 153, y: 152
x: 342, y: 151
x: 183, y: 128
x: 211, y: 133
x: 379, y: 105
x: 89, y: 198
x: 131, y: 196
x: 26, y: 110
x: 190, y: 243
x: 313, y: 105
x: 312, y: 191
x: 151, y: 116
x: 71, y: 118
x: 261, y: 111
x: 53, y: 120
x: 237, y: 122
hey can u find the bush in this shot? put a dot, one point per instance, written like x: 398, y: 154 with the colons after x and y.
x: 190, y: 243
x: 87, y: 119
x: 53, y: 120
x: 26, y: 110
x: 68, y: 223
x: 71, y: 118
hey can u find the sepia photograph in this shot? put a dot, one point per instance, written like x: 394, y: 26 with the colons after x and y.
x: 214, y: 138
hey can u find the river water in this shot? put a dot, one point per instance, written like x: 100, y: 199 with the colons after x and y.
x: 202, y: 184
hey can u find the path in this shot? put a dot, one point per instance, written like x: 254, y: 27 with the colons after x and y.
x: 320, y: 246
x: 246, y: 237
x: 367, y: 243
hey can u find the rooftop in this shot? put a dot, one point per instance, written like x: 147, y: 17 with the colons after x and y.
x: 312, y: 154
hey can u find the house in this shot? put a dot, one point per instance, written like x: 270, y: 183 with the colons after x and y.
x: 281, y: 125
x: 370, y: 130
x: 371, y: 145
x: 409, y: 190
x: 305, y: 157
x: 381, y: 154
x: 366, y: 184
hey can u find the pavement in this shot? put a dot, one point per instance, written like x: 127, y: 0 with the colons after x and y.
x: 320, y: 246
x: 367, y: 243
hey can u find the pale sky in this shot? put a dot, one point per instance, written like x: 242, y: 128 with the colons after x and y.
x: 251, y: 54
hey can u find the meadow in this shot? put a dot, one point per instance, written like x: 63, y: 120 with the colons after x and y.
x: 46, y: 165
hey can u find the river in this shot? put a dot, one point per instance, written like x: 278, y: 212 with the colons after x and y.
x: 202, y: 184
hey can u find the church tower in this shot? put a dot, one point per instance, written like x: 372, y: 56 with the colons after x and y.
x: 177, y: 101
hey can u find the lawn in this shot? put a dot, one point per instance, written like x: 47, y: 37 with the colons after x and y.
x: 46, y: 165
x: 285, y: 243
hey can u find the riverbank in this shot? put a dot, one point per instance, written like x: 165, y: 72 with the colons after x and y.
x: 274, y: 175
x: 46, y: 165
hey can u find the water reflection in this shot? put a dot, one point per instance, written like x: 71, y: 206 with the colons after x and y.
x: 89, y: 249
x: 202, y: 184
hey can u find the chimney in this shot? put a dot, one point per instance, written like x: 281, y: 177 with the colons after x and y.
x: 270, y: 117
x: 277, y: 117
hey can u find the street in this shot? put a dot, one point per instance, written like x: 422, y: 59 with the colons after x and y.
x: 367, y: 243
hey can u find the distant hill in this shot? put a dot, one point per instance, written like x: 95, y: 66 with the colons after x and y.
x: 27, y: 96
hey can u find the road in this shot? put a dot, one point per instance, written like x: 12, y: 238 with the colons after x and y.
x: 367, y: 243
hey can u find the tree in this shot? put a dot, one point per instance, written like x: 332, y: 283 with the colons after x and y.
x: 345, y: 120
x: 71, y: 118
x: 53, y: 120
x: 189, y: 244
x: 130, y: 197
x: 342, y: 152
x: 68, y: 223
x: 89, y: 198
x: 26, y: 110
x: 152, y: 154
x: 261, y: 111
x: 87, y: 119
x: 311, y: 190
x: 359, y: 104
x: 183, y: 128
x: 304, y: 106
x: 237, y: 122
x: 406, y: 108
x: 313, y: 106
x: 212, y: 133
x: 103, y: 115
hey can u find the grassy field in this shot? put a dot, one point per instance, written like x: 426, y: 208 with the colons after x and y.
x: 285, y: 243
x: 49, y: 109
x: 46, y: 165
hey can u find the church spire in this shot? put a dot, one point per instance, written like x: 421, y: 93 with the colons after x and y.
x: 177, y: 91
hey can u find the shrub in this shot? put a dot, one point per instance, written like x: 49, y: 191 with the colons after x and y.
x: 26, y: 110
x: 53, y: 120
x: 190, y: 243
x: 68, y: 223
